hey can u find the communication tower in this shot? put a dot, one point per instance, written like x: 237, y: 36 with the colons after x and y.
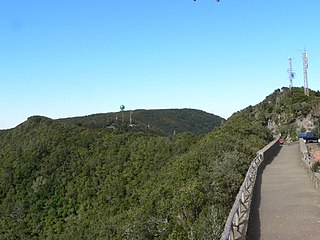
x: 305, y: 71
x: 122, y: 107
x: 131, y: 125
x: 291, y: 74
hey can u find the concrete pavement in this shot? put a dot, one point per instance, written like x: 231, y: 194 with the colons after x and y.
x: 286, y: 204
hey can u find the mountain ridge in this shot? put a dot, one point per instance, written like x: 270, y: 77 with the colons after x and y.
x: 288, y: 112
x: 156, y: 121
x: 57, y: 177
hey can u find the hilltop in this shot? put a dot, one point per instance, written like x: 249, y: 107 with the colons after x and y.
x: 288, y: 111
x: 161, y: 121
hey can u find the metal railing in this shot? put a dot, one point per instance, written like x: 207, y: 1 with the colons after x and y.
x: 237, y: 222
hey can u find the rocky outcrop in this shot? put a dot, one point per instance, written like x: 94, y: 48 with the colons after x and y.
x: 306, y: 123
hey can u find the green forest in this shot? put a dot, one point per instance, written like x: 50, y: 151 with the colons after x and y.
x: 162, y: 122
x: 64, y: 180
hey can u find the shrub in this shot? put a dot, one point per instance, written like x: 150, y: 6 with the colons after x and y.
x: 315, y: 166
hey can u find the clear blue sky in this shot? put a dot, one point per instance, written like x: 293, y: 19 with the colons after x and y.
x: 61, y: 58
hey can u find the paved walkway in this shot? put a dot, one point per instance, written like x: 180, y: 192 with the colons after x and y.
x: 286, y: 204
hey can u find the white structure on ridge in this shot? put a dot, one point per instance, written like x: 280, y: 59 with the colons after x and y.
x: 305, y: 72
x: 291, y: 74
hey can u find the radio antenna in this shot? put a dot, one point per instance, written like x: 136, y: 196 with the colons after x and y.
x: 305, y: 71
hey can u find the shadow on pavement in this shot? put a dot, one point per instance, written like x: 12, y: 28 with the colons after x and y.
x: 254, y: 230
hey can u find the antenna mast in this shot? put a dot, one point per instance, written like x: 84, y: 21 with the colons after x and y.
x: 130, y: 119
x: 291, y: 74
x: 305, y: 72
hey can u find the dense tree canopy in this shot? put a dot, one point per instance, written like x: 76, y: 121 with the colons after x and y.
x: 160, y: 122
x: 59, y: 180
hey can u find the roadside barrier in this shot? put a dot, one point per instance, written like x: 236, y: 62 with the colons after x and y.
x: 237, y: 221
x: 307, y: 162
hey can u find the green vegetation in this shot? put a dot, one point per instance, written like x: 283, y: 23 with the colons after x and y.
x: 289, y: 112
x: 160, y: 122
x: 315, y: 166
x: 96, y: 178
x: 59, y: 180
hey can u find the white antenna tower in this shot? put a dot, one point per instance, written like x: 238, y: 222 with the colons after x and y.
x: 130, y: 119
x: 291, y: 74
x: 305, y: 72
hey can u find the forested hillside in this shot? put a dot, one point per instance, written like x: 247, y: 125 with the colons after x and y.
x: 59, y: 180
x: 289, y: 112
x: 161, y: 122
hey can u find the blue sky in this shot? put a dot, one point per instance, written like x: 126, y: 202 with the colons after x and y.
x: 63, y: 58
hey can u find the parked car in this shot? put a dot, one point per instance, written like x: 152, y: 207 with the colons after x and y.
x: 309, y: 136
